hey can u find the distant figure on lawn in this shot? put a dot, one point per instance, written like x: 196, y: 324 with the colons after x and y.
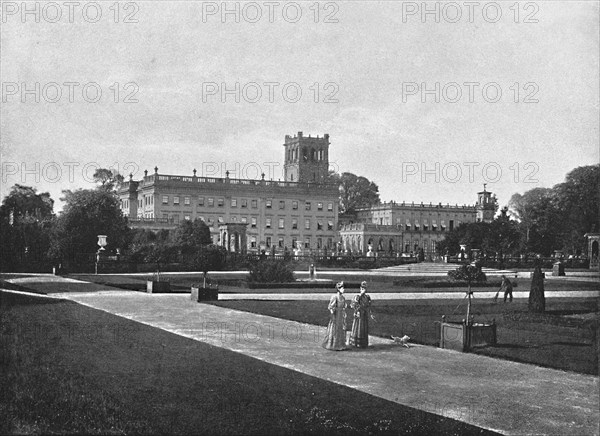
x: 507, y: 287
x: 361, y: 303
x: 336, y: 330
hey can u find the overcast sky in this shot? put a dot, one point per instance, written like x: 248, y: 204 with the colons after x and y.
x: 361, y: 68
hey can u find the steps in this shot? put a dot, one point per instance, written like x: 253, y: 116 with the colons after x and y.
x: 437, y: 269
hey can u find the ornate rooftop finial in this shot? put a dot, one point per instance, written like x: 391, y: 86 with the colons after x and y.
x: 263, y: 176
x: 145, y: 173
x: 130, y: 176
x: 227, y: 174
x: 194, y: 171
x: 155, y: 170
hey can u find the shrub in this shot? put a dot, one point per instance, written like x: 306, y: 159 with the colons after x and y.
x: 537, y: 300
x: 270, y: 271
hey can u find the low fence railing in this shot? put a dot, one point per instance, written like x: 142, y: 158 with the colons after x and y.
x: 520, y: 262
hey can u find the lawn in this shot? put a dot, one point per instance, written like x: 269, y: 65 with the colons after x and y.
x: 67, y: 368
x: 376, y: 284
x: 566, y: 337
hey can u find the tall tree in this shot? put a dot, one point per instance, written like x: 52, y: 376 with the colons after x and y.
x: 558, y: 217
x: 537, y: 212
x: 87, y: 214
x: 578, y: 200
x: 503, y: 235
x: 25, y: 219
x: 355, y: 192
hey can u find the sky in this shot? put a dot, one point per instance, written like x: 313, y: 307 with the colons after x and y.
x: 428, y: 100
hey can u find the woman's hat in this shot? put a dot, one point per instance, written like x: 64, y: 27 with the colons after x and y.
x: 339, y: 285
x: 363, y: 284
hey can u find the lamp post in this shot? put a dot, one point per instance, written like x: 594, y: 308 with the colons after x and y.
x: 101, y: 244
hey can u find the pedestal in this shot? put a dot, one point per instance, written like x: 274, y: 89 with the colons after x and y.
x: 558, y: 269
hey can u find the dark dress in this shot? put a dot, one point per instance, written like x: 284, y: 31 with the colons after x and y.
x: 336, y: 330
x: 360, y: 326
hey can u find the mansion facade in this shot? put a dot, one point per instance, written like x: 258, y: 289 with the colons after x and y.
x: 299, y: 213
x: 410, y: 228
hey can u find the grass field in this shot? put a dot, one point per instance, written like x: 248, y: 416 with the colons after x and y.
x: 566, y: 337
x: 66, y: 368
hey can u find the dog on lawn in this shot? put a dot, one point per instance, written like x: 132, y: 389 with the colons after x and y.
x: 402, y: 341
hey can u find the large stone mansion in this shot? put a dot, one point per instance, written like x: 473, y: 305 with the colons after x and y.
x: 300, y: 212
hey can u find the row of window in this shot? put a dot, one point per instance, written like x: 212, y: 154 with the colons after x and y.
x: 243, y: 202
x: 295, y: 243
x: 269, y: 223
x: 426, y: 227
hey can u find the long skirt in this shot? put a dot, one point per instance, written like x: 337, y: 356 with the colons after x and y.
x: 335, y: 338
x: 359, y: 337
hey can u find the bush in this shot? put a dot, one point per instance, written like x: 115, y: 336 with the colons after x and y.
x: 537, y: 300
x: 270, y: 271
x: 468, y: 273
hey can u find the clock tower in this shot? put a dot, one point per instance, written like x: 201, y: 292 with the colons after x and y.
x: 486, y: 206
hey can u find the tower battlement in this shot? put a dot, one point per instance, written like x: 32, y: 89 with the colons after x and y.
x: 300, y: 137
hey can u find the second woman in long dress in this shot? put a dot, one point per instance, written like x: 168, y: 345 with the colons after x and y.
x: 336, y: 330
x: 361, y: 303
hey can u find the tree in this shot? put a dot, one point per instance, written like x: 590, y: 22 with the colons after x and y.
x: 470, y: 274
x: 355, y: 192
x: 558, y: 217
x: 109, y: 180
x: 24, y: 201
x: 537, y: 300
x: 87, y: 214
x: 578, y: 201
x: 539, y: 220
x: 191, y: 236
x: 25, y: 219
x: 470, y: 234
x: 140, y: 244
x: 500, y: 236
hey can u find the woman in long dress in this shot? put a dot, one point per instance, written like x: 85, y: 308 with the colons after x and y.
x: 336, y: 330
x: 361, y: 303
